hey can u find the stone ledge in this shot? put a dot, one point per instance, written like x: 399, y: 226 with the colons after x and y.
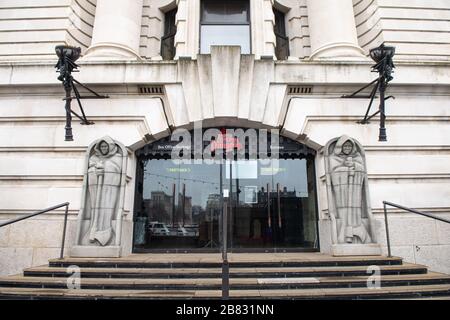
x: 95, y: 252
x: 356, y: 250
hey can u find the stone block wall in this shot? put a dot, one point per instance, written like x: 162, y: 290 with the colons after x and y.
x: 418, y: 29
x: 30, y: 29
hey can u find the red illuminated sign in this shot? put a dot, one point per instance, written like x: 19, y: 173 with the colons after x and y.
x: 226, y: 141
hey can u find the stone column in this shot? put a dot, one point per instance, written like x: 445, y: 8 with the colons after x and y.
x: 187, y: 38
x: 117, y: 30
x: 332, y: 29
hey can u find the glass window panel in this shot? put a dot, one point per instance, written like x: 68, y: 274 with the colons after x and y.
x: 170, y: 27
x: 181, y: 206
x: 225, y: 35
x: 279, y: 28
x: 291, y: 174
x: 242, y: 169
x: 226, y: 12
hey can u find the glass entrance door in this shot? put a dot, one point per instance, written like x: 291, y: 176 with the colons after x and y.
x: 180, y: 207
x: 271, y: 204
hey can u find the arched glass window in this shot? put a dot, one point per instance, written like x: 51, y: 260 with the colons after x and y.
x: 225, y: 23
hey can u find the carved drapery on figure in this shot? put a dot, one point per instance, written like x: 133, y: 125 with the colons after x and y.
x: 100, y: 217
x: 104, y: 173
x: 348, y: 194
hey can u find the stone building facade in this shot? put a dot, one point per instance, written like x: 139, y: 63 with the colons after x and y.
x: 295, y: 60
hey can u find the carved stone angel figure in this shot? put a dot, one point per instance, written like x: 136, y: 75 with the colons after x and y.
x: 99, y: 221
x: 348, y: 192
x: 104, y: 174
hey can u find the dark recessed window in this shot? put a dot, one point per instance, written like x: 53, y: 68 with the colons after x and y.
x: 168, y: 40
x: 225, y: 23
x: 282, y: 41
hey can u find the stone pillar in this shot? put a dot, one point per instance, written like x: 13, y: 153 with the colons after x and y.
x: 117, y: 30
x: 262, y: 21
x: 332, y: 29
x: 187, y: 21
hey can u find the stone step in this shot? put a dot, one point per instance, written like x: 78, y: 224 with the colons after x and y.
x: 214, y: 261
x: 396, y: 292
x: 174, y: 273
x: 427, y: 298
x: 235, y: 283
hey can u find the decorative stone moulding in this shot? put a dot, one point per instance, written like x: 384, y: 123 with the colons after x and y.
x: 112, y: 51
x: 343, y: 51
x: 99, y: 224
x: 352, y: 224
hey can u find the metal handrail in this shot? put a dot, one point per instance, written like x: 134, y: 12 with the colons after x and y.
x: 65, y: 204
x: 387, y: 203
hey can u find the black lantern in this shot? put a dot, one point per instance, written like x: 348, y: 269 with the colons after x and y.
x: 382, y: 55
x: 379, y: 53
x: 67, y: 55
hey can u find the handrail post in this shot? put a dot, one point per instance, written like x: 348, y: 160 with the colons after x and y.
x: 225, y: 264
x: 387, y: 229
x: 61, y: 256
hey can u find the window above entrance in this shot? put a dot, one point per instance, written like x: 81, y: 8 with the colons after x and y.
x: 225, y: 23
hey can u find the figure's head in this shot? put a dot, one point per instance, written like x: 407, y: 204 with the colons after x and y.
x: 104, y: 148
x: 347, y: 147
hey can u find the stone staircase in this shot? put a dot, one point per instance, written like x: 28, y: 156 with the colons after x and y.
x: 252, y: 276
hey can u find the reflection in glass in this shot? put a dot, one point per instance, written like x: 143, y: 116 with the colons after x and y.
x: 225, y: 23
x: 181, y: 204
x: 225, y: 12
x: 225, y: 35
x: 283, y: 215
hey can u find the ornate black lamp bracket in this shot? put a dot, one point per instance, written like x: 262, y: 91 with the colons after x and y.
x: 382, y: 55
x: 66, y: 65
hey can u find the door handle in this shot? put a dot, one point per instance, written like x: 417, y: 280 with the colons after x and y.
x: 183, y: 211
x: 279, y: 206
x: 173, y: 205
x: 268, y: 206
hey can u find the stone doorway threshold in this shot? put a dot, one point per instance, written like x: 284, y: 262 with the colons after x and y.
x: 216, y: 258
x: 217, y: 250
x: 243, y: 257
